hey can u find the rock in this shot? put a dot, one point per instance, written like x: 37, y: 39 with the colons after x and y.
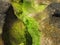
x: 50, y: 26
x: 4, y: 5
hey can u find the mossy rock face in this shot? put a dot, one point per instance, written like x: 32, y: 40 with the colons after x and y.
x: 30, y: 23
x: 13, y: 29
x: 17, y: 31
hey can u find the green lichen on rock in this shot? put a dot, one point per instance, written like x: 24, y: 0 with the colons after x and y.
x: 17, y: 7
x: 30, y: 23
x: 32, y: 27
x: 23, y: 12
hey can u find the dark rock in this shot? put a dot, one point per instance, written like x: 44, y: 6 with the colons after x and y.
x: 4, y: 5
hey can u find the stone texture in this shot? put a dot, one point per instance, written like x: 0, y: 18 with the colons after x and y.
x: 50, y: 25
x: 4, y: 5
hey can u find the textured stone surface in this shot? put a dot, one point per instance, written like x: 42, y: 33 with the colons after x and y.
x: 2, y: 17
x: 3, y: 8
x: 50, y: 25
x: 4, y: 5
